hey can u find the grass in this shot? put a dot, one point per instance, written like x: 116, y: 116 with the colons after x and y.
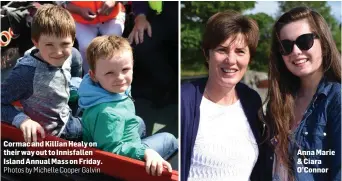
x: 193, y: 70
x: 191, y: 73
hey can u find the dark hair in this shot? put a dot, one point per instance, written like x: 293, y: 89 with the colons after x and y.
x: 283, y: 84
x: 224, y: 25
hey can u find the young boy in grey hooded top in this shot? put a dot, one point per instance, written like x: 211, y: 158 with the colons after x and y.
x: 40, y: 80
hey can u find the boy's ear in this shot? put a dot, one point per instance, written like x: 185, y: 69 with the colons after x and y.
x: 92, y: 76
x: 35, y: 43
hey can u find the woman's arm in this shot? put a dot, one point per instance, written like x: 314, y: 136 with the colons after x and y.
x: 334, y: 130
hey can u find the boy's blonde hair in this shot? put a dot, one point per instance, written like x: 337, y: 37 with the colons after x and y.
x: 52, y: 20
x: 105, y: 47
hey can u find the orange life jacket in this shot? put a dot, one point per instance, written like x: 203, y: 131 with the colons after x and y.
x: 94, y: 6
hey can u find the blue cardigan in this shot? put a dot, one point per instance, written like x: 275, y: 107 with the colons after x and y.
x: 191, y: 96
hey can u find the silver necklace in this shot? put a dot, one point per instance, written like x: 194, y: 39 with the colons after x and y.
x: 207, y: 93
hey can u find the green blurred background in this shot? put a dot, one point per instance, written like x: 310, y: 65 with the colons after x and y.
x: 195, y: 14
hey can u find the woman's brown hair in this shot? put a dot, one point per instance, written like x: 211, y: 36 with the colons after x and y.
x: 283, y: 85
x: 224, y: 25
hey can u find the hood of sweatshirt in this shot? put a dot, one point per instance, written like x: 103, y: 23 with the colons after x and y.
x: 91, y: 94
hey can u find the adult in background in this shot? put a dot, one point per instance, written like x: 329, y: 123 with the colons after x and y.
x: 95, y: 18
x: 155, y: 41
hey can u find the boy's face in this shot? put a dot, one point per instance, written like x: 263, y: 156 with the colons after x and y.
x: 54, y: 50
x: 114, y: 74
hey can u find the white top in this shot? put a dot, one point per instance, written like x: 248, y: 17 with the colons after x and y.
x: 279, y: 171
x: 225, y: 147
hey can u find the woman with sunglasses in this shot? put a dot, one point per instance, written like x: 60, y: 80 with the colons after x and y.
x: 220, y: 129
x: 304, y: 99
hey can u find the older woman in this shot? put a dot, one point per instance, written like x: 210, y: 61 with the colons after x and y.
x: 304, y: 108
x: 220, y: 129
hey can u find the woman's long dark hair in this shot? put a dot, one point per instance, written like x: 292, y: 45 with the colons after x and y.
x: 283, y: 84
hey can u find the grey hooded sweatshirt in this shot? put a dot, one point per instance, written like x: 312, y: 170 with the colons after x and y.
x: 43, y: 91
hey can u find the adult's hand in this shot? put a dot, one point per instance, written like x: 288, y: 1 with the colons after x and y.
x: 87, y: 13
x: 106, y: 8
x: 137, y: 34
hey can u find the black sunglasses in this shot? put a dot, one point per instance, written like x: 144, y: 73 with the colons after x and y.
x: 303, y: 42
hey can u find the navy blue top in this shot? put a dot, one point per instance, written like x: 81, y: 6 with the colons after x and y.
x: 140, y: 7
x: 191, y: 96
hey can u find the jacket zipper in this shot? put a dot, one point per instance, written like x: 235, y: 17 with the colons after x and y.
x: 66, y: 83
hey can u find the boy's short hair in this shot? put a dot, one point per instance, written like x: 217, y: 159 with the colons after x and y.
x: 52, y: 20
x: 105, y: 47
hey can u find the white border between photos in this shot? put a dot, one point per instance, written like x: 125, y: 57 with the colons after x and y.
x: 179, y: 88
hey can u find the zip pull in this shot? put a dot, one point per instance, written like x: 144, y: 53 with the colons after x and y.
x: 263, y: 129
x: 131, y: 97
x: 78, y: 112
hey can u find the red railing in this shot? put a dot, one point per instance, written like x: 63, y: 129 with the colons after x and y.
x: 112, y: 164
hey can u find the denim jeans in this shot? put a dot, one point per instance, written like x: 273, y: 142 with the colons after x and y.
x: 142, y: 129
x: 73, y: 129
x: 163, y: 143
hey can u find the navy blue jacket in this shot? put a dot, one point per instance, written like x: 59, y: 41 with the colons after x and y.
x: 191, y: 96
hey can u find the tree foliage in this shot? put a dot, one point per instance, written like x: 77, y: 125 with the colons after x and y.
x: 260, y: 60
x: 203, y: 10
x: 194, y: 15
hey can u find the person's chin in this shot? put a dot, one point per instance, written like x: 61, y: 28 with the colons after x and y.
x: 301, y: 72
x: 122, y: 89
x: 57, y: 63
x: 229, y: 82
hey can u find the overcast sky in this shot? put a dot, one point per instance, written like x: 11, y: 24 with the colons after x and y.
x: 271, y: 8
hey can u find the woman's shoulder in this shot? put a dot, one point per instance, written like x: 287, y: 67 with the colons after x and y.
x: 192, y: 86
x: 332, y: 90
x: 329, y: 95
x: 335, y: 87
x: 333, y: 104
x: 245, y: 91
x: 334, y: 94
